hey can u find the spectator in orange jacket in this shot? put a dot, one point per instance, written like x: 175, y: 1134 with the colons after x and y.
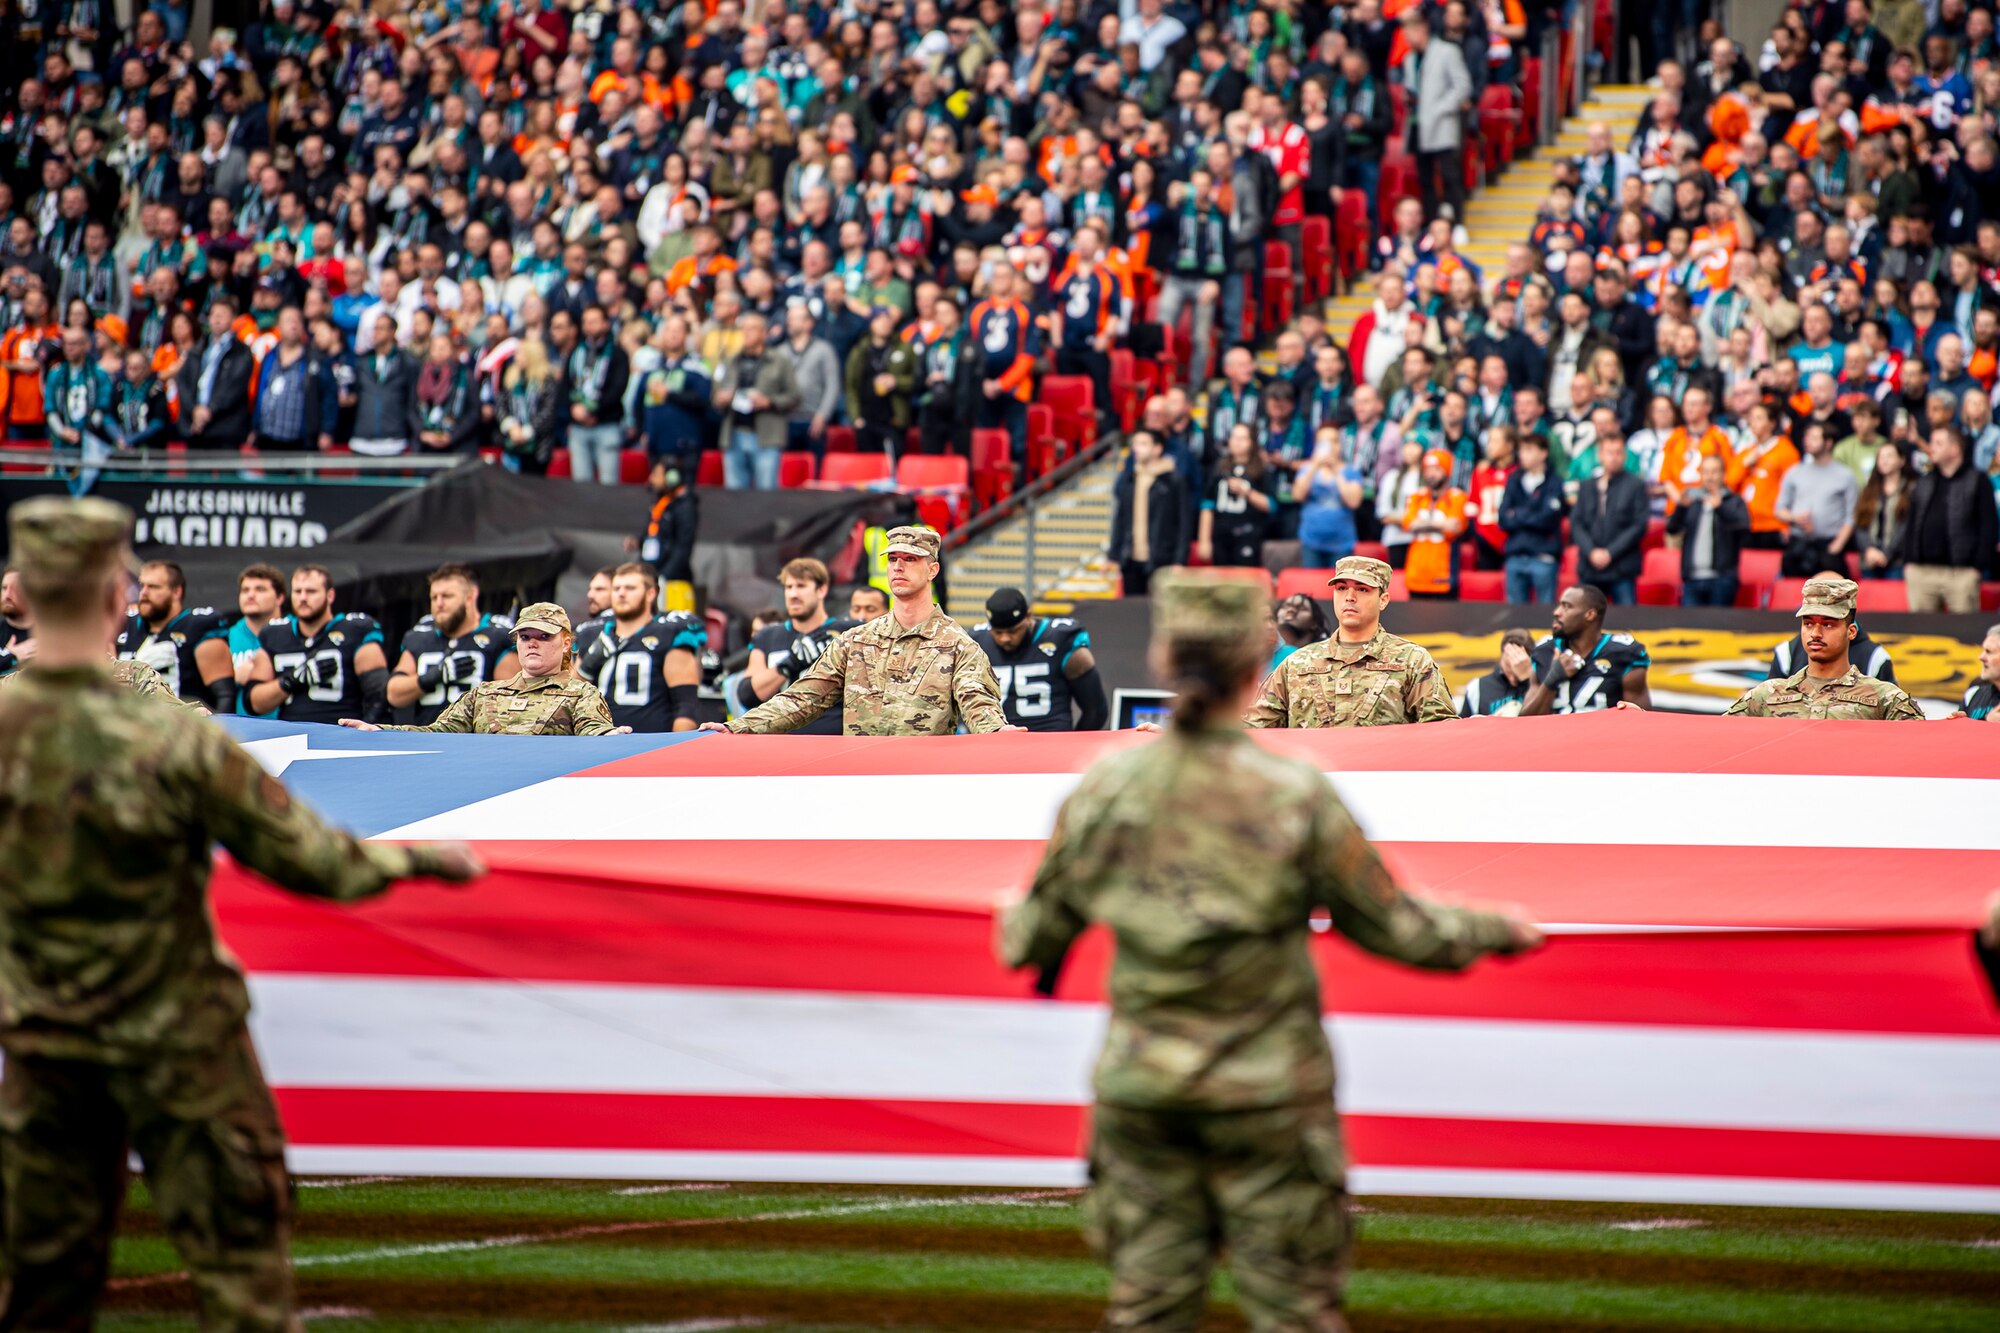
x: 1680, y: 460
x: 1434, y: 518
x: 26, y: 350
x: 1761, y: 466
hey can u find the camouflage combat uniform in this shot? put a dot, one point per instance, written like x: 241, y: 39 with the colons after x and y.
x: 522, y: 705
x: 136, y: 676
x: 1850, y: 697
x: 1381, y: 682
x: 558, y: 704
x: 121, y: 1014
x: 1205, y: 855
x: 890, y: 681
x: 1333, y: 684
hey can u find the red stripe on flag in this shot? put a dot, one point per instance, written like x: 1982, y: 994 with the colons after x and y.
x: 530, y: 928
x: 321, y: 1117
x: 1605, y: 742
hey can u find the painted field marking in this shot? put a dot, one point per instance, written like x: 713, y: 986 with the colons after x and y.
x: 342, y: 1182
x: 383, y: 1252
x: 1660, y: 1224
x: 691, y: 1188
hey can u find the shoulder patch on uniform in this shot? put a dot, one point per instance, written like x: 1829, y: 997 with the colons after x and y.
x: 336, y: 637
x: 272, y: 792
x: 1048, y: 650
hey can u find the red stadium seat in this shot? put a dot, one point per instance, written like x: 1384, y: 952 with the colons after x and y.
x: 854, y: 469
x: 1373, y: 550
x: 1247, y: 573
x: 717, y: 621
x: 1351, y: 240
x: 1278, y: 290
x: 490, y: 455
x: 1566, y: 571
x: 1073, y: 400
x: 840, y: 439
x: 1482, y: 585
x: 339, y: 474
x: 938, y: 512
x: 795, y: 468
x: 992, y: 467
x: 1660, y: 579
x: 709, y: 471
x: 1656, y: 535
x: 1877, y: 597
x: 1398, y: 590
x: 1989, y: 597
x: 932, y: 471
x: 1126, y: 391
x: 1757, y: 571
x: 1531, y: 104
x: 634, y: 466
x: 1399, y: 181
x: 1316, y: 255
x: 559, y: 463
x: 1311, y: 582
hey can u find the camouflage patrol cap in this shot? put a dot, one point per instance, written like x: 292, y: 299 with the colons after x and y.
x: 912, y: 540
x: 1194, y: 604
x: 1361, y: 569
x: 544, y: 616
x: 1828, y: 597
x: 53, y: 540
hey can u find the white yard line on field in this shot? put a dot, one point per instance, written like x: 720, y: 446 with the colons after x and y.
x: 637, y: 1190
x: 1660, y: 1224
x: 388, y: 1252
x: 342, y: 1182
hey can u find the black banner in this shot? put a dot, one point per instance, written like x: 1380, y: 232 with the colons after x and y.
x: 262, y: 516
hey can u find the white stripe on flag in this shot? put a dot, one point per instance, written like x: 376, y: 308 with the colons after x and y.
x: 1568, y: 809
x: 351, y: 1032
x: 1056, y: 1172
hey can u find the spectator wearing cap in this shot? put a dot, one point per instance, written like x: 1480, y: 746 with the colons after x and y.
x: 1149, y: 522
x: 1045, y: 668
x: 546, y: 697
x: 1608, y: 523
x: 1947, y: 544
x: 1435, y: 518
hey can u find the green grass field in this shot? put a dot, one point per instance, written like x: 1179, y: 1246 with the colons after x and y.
x: 380, y: 1255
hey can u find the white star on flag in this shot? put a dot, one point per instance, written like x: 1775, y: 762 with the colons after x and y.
x: 280, y: 752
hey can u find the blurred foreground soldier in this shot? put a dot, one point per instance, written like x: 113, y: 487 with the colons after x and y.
x: 1043, y: 666
x: 187, y: 646
x: 1206, y: 855
x: 782, y: 652
x: 913, y: 672
x: 136, y: 676
x: 1829, y: 686
x: 544, y: 698
x: 647, y: 666
x: 122, y: 1016
x: 452, y: 649
x: 1500, y: 691
x: 1981, y: 697
x: 1583, y: 667
x: 1363, y: 676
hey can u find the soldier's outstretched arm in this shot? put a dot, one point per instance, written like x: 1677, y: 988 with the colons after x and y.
x: 1273, y: 704
x: 1902, y: 708
x: 1348, y: 878
x: 1038, y: 931
x: 976, y: 692
x: 254, y: 816
x: 819, y: 688
x: 457, y: 717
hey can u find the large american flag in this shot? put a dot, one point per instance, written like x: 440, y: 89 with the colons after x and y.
x: 770, y: 959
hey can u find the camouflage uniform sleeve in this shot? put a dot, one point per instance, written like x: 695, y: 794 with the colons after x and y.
x: 1750, y: 705
x: 1038, y: 931
x: 146, y: 683
x: 1902, y: 708
x: 975, y: 691
x: 254, y: 816
x: 1347, y: 877
x: 1429, y: 699
x: 1273, y: 704
x: 804, y: 700
x: 593, y: 715
x: 458, y: 716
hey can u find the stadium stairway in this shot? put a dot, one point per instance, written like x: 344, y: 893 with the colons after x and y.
x: 1071, y: 525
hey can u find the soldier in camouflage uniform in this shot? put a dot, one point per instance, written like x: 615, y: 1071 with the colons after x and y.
x: 1205, y: 855
x: 121, y: 1014
x: 913, y: 672
x: 545, y: 698
x: 1830, y: 686
x: 1363, y: 676
x: 138, y: 677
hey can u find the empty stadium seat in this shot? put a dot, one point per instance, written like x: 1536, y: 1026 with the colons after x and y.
x: 992, y: 466
x: 1316, y: 255
x: 1248, y: 573
x: 559, y: 463
x: 1660, y: 579
x: 634, y: 466
x: 840, y: 439
x: 1482, y: 585
x: 854, y: 469
x: 1311, y: 582
x: 1072, y: 401
x: 709, y: 471
x: 795, y: 468
x: 1373, y: 550
x: 1756, y: 572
